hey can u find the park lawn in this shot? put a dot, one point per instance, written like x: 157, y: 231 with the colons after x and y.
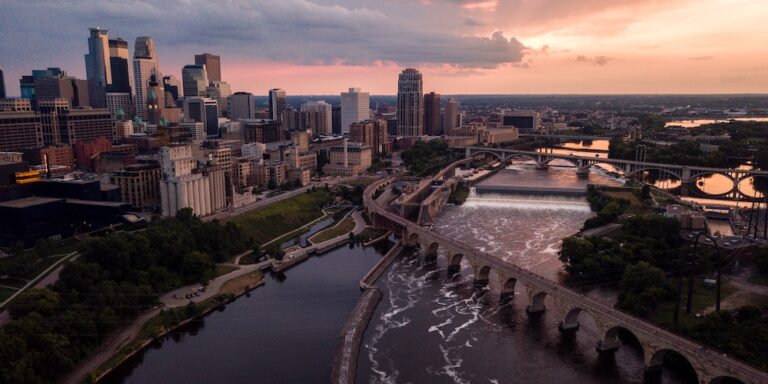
x: 634, y: 202
x: 703, y: 297
x: 346, y: 226
x: 5, y: 293
x: 284, y: 216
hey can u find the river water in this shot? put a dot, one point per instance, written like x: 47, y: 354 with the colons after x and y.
x: 432, y: 327
x: 285, y: 332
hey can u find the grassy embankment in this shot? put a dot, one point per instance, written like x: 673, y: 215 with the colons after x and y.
x: 273, y: 221
x: 342, y: 228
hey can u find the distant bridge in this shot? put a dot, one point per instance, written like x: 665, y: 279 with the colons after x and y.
x: 565, y: 137
x: 711, y: 366
x: 685, y: 173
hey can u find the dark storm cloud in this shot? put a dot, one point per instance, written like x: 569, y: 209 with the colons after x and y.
x: 298, y: 31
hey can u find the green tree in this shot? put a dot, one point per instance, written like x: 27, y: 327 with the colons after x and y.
x: 42, y: 301
x: 642, y: 286
x: 197, y: 266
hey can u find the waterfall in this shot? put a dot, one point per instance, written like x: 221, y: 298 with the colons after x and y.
x: 527, y: 201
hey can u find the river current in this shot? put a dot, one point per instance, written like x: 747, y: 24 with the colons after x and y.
x: 433, y: 327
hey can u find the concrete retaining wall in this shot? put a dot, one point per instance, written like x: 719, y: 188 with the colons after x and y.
x: 348, y: 347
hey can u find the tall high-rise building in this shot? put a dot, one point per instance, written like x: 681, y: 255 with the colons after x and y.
x: 212, y: 65
x: 97, y: 67
x: 410, y: 103
x: 203, y: 110
x: 242, y: 105
x: 145, y: 64
x: 451, y: 116
x: 355, y: 106
x: 195, y: 80
x: 317, y: 117
x: 2, y: 85
x: 119, y: 66
x: 433, y: 125
x: 277, y: 103
x: 219, y: 91
x: 336, y: 120
x: 173, y: 90
x: 118, y: 97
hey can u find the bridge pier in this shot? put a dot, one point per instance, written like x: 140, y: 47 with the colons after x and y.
x: 542, y: 167
x: 582, y: 173
x: 608, y: 346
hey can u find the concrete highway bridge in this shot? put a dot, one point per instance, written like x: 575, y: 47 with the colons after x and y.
x: 710, y: 365
x: 564, y: 137
x: 685, y: 174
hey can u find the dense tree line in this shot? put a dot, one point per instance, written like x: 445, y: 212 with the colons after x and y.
x: 427, y: 158
x: 114, y: 279
x: 742, y: 333
x: 639, y: 255
x: 683, y: 153
x: 608, y: 209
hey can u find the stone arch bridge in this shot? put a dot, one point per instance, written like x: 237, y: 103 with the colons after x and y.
x: 710, y: 365
x: 686, y: 174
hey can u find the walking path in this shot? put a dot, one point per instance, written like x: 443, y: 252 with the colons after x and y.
x: 110, y: 347
x: 176, y: 298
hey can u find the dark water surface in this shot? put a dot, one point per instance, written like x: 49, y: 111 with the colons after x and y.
x: 285, y: 332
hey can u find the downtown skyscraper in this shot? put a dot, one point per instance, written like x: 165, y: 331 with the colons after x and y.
x: 355, y: 107
x: 277, y: 103
x: 145, y: 64
x: 212, y: 65
x: 194, y: 79
x: 410, y: 103
x: 97, y: 67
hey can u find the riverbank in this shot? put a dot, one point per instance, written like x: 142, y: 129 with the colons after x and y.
x: 151, y: 326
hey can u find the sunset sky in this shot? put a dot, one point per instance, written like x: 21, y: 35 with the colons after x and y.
x: 461, y: 46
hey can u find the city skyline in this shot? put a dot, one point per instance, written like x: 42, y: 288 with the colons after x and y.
x: 461, y: 47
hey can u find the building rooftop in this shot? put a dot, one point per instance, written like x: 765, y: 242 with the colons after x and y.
x: 28, y: 202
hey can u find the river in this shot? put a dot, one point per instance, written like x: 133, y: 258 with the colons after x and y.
x: 432, y: 327
x: 283, y: 332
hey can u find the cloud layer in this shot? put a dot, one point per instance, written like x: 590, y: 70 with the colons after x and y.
x: 297, y: 31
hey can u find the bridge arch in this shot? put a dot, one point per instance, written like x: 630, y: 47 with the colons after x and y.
x: 725, y: 380
x: 507, y: 286
x: 497, y: 155
x: 641, y: 170
x: 611, y: 339
x: 683, y: 364
x: 412, y: 240
x: 571, y: 319
x: 519, y: 156
x: 547, y: 162
x: 536, y: 303
x: 430, y: 250
x: 481, y: 275
x: 454, y: 262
